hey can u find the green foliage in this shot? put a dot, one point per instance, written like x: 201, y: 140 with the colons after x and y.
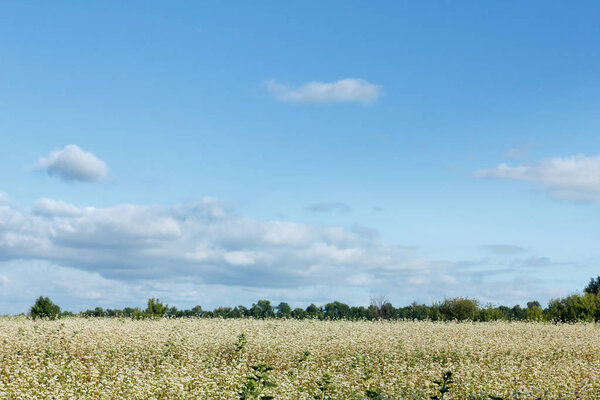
x: 304, y: 356
x: 380, y: 308
x: 44, y: 308
x: 533, y: 304
x: 534, y: 313
x: 241, y: 343
x: 257, y: 382
x: 298, y: 313
x: 576, y: 307
x: 284, y: 310
x: 312, y: 311
x: 490, y: 313
x: 196, y: 311
x: 324, y: 388
x: 374, y: 394
x: 336, y: 310
x: 517, y: 313
x: 458, y: 308
x: 262, y: 309
x: 156, y: 308
x: 222, y: 312
x: 593, y: 287
x: 443, y: 385
x: 138, y: 314
x: 96, y: 312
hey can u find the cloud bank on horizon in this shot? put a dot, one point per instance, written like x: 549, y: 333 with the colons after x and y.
x: 210, y: 252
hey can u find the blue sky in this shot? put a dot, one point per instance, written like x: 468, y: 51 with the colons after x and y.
x: 216, y: 154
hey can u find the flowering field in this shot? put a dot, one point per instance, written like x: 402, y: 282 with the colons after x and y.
x: 213, y: 359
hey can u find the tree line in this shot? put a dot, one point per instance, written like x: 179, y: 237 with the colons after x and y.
x: 576, y: 307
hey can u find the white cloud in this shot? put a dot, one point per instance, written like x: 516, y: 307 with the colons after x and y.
x: 4, y: 198
x: 504, y: 249
x: 74, y: 164
x: 575, y: 178
x: 345, y: 90
x: 53, y: 208
x: 520, y: 152
x: 536, y: 262
x: 240, y: 257
x: 329, y: 207
x: 135, y: 243
x: 203, y: 253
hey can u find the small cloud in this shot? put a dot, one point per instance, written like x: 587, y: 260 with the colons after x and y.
x: 538, y: 262
x: 377, y: 208
x: 74, y: 164
x: 504, y: 249
x: 329, y: 207
x: 4, y: 198
x: 349, y: 90
x: 517, y: 153
x: 4, y: 280
x: 55, y: 208
x: 575, y: 178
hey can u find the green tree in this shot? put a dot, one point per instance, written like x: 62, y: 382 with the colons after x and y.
x: 459, y: 308
x: 534, y: 312
x: 312, y: 311
x: 223, y: 312
x: 380, y: 307
x: 44, y: 308
x: 284, y: 310
x: 196, y: 311
x: 518, y: 313
x: 156, y: 308
x: 490, y: 313
x: 262, y: 309
x: 532, y: 304
x: 236, y: 313
x: 593, y: 287
x: 358, y: 312
x: 555, y: 311
x: 336, y: 310
x: 574, y: 308
x: 99, y: 312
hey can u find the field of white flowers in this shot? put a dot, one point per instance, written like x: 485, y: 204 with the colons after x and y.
x: 212, y: 359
